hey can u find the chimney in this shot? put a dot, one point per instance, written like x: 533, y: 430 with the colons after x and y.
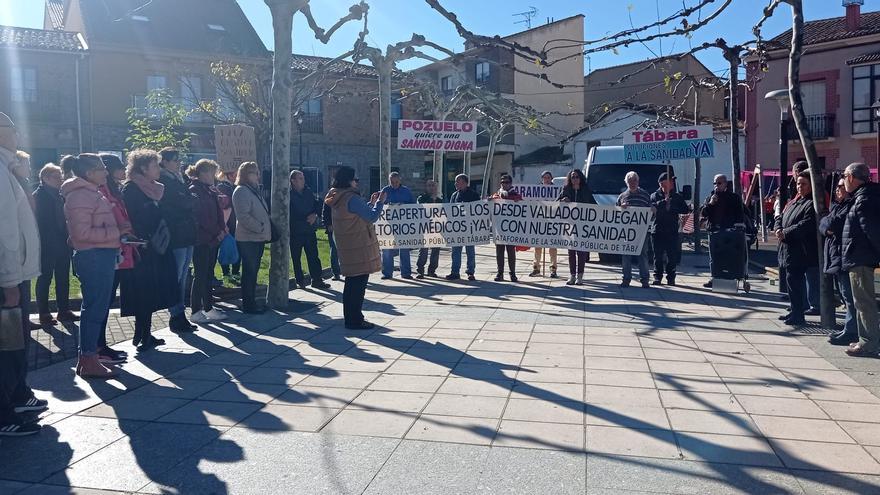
x: 853, y: 13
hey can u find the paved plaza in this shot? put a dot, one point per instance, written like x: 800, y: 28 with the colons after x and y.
x: 471, y: 387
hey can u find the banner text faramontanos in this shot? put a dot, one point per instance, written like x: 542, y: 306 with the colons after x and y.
x: 603, y: 229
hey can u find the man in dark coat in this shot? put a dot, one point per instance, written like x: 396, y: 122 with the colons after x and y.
x: 178, y: 209
x: 798, y: 250
x: 428, y: 197
x: 861, y: 253
x: 832, y: 228
x: 54, y: 252
x: 463, y: 194
x: 722, y: 210
x: 667, y: 245
x: 304, y: 211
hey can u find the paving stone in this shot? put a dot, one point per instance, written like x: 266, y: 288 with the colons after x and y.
x: 838, y: 457
x: 466, y: 405
x: 554, y: 436
x: 525, y: 472
x: 729, y: 449
x: 778, y: 406
x: 707, y: 401
x: 626, y: 416
x: 843, y: 411
x: 828, y: 483
x: 383, y: 400
x: 333, y: 397
x: 407, y: 383
x: 618, y: 364
x: 545, y: 411
x: 607, y: 395
x: 370, y: 423
x: 712, y: 422
x: 348, y: 464
x: 863, y: 433
x: 630, y: 441
x: 283, y: 417
x: 208, y: 412
x: 430, y: 468
x: 245, y: 392
x: 455, y: 429
x: 143, y: 408
x: 801, y: 429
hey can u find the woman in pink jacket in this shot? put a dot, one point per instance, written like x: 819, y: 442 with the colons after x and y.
x: 95, y: 238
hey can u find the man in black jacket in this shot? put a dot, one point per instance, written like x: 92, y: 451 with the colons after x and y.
x: 304, y: 211
x: 428, y: 197
x: 723, y: 209
x: 798, y: 250
x: 54, y: 251
x: 463, y: 194
x: 861, y: 253
x: 667, y: 245
x: 178, y: 210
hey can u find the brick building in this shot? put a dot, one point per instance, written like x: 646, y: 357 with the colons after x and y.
x: 44, y: 89
x: 840, y: 80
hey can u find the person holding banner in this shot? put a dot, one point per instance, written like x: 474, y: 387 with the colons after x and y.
x: 397, y: 194
x: 429, y: 196
x: 547, y: 180
x: 638, y: 197
x: 667, y: 245
x: 575, y: 191
x: 506, y: 193
x: 356, y: 241
x: 463, y: 194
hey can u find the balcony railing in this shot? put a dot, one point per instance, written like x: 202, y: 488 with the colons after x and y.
x: 139, y: 102
x: 821, y: 126
x: 312, y: 123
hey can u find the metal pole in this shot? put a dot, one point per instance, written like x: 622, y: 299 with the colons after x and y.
x: 300, y: 144
x: 783, y: 183
x: 761, y: 202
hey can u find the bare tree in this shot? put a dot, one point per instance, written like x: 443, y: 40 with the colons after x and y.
x: 282, y: 28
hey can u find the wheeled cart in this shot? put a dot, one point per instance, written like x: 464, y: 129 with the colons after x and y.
x: 729, y: 251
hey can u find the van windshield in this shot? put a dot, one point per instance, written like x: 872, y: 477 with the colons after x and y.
x: 607, y: 178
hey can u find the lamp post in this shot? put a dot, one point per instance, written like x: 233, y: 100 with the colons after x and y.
x: 299, y: 126
x: 875, y: 108
x: 780, y: 96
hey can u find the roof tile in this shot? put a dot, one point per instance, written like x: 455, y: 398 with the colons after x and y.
x: 824, y: 30
x: 41, y: 39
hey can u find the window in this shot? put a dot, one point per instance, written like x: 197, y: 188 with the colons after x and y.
x: 481, y: 72
x: 866, y: 90
x: 140, y: 18
x: 813, y: 95
x: 396, y: 108
x: 216, y: 27
x: 191, y: 95
x: 156, y: 82
x: 446, y: 84
x: 312, y: 106
x: 23, y: 84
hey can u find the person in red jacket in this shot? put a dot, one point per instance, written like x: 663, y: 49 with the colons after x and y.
x: 211, y: 229
x: 506, y: 193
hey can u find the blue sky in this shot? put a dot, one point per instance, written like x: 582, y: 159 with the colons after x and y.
x: 395, y: 20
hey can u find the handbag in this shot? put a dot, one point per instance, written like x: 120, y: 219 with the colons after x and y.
x: 275, y: 236
x: 227, y: 254
x: 11, y: 333
x: 161, y: 238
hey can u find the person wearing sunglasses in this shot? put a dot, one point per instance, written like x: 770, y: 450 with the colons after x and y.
x: 861, y: 255
x: 831, y: 227
x: 723, y: 209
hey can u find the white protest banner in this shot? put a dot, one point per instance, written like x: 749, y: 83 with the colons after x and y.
x: 537, y: 192
x: 436, y: 135
x: 235, y: 143
x: 434, y: 225
x: 670, y: 143
x: 578, y: 226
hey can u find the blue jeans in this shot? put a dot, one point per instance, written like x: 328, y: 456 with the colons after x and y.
x: 388, y: 262
x: 850, y: 322
x: 642, y: 261
x: 471, y: 260
x: 95, y: 269
x: 813, y: 287
x: 182, y: 258
x: 334, y: 256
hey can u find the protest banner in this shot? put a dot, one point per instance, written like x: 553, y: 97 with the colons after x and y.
x: 436, y: 135
x: 578, y: 226
x: 670, y: 143
x: 235, y: 143
x: 434, y: 225
x: 537, y: 192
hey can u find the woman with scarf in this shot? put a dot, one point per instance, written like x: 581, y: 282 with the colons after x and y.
x: 211, y: 229
x: 152, y: 284
x: 575, y: 191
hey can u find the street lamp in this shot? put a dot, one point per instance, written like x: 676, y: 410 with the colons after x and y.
x: 876, y: 110
x: 780, y: 96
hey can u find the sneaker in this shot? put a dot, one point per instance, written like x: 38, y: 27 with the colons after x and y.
x: 47, y: 320
x: 407, y: 277
x: 320, y: 284
x: 571, y: 280
x: 32, y: 405
x: 645, y: 284
x: 199, y: 317
x: 624, y: 284
x: 656, y: 281
x: 535, y: 273
x: 236, y: 279
x: 670, y: 281
x: 553, y: 274
x: 471, y: 277
x: 432, y: 274
x: 178, y: 324
x: 579, y: 280
x: 215, y: 315
x: 812, y: 312
x: 499, y: 277
x: 514, y: 278
x: 19, y: 430
x: 453, y: 276
x: 420, y: 276
x: 337, y: 278
x: 708, y: 285
x: 67, y: 316
x: 385, y: 277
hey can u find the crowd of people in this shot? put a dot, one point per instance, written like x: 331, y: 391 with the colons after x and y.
x: 153, y: 230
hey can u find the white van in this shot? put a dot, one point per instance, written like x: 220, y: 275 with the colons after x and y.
x: 605, y: 169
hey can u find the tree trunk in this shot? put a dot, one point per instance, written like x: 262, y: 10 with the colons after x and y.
x: 437, y: 172
x: 279, y: 269
x: 698, y: 176
x: 732, y: 57
x: 487, y: 173
x: 827, y: 305
x: 385, y: 69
